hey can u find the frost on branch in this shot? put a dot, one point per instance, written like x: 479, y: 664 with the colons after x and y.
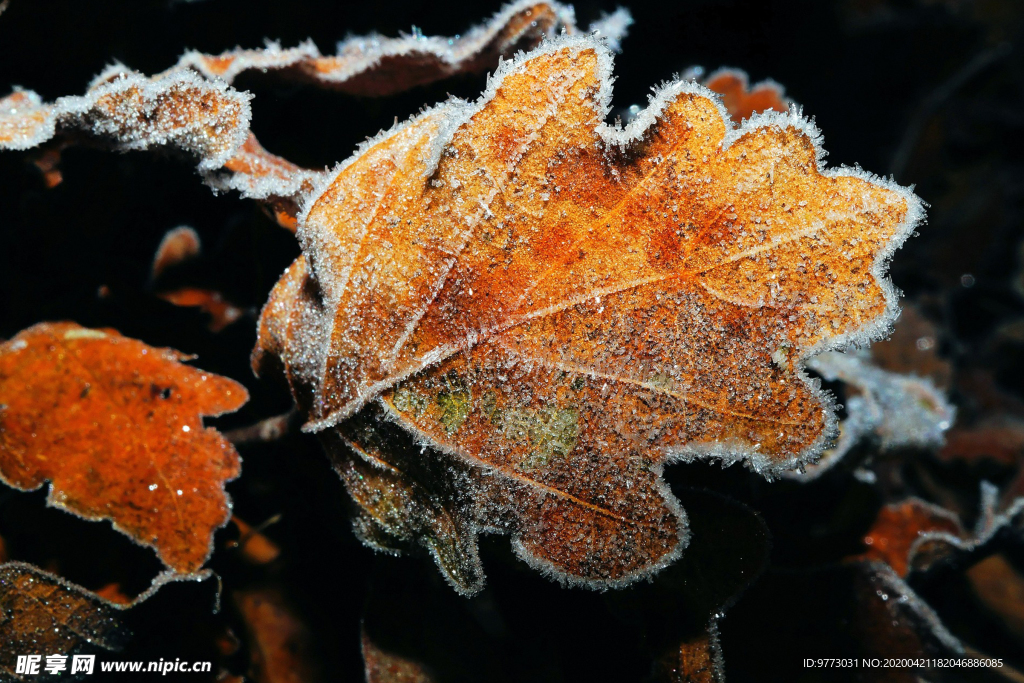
x: 376, y: 65
x: 116, y: 427
x: 559, y: 308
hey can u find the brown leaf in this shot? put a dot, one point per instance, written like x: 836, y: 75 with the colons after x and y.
x: 279, y: 643
x: 913, y: 348
x: 698, y: 660
x: 128, y: 111
x: 900, y: 525
x: 999, y: 438
x: 24, y: 120
x: 385, y: 667
x: 1000, y: 587
x: 222, y: 313
x: 376, y: 66
x: 116, y: 427
x: 179, y: 109
x: 45, y: 615
x: 258, y: 174
x: 178, y: 245
x: 562, y: 307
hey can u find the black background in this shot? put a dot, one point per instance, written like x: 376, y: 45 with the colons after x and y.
x: 942, y: 79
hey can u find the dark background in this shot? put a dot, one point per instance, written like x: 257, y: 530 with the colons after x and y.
x: 930, y: 91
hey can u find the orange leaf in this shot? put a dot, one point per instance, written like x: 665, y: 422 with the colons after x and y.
x: 742, y: 101
x: 45, y: 615
x: 279, y: 643
x: 697, y: 660
x: 222, y: 313
x: 116, y: 427
x: 563, y: 307
x: 899, y: 526
x: 178, y: 245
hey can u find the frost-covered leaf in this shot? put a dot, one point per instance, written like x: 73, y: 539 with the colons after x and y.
x: 257, y: 174
x: 897, y: 410
x: 900, y: 525
x: 697, y: 660
x: 24, y: 120
x: 177, y: 110
x: 995, y: 519
x: 41, y: 614
x: 116, y: 427
x: 913, y: 348
x: 562, y: 307
x: 375, y: 65
x: 129, y: 111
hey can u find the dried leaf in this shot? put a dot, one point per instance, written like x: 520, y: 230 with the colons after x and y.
x: 179, y: 109
x: 743, y: 101
x: 116, y: 427
x: 375, y: 65
x: 999, y: 438
x: 45, y: 615
x: 222, y: 313
x: 257, y: 174
x: 24, y: 120
x: 178, y: 245
x: 898, y: 410
x: 385, y: 667
x: 562, y: 307
x: 913, y: 349
x: 932, y: 548
x: 1000, y: 587
x: 900, y: 525
x: 279, y: 643
x: 698, y: 660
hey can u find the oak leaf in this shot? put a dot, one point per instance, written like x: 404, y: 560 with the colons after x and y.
x: 560, y: 307
x: 374, y: 65
x: 897, y: 410
x: 44, y: 615
x: 116, y: 427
